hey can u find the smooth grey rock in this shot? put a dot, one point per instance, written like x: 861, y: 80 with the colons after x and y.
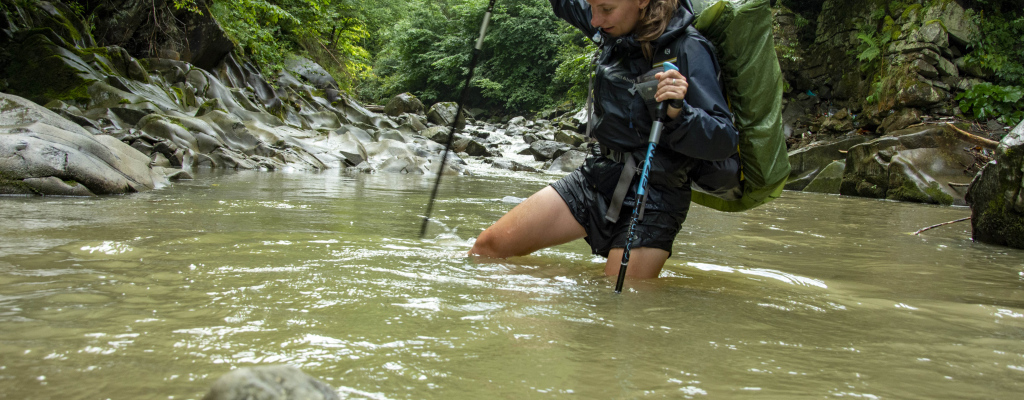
x: 916, y: 165
x: 807, y: 162
x: 569, y: 137
x: 568, y: 161
x: 403, y: 103
x: 829, y: 180
x: 544, y: 150
x: 269, y: 383
x: 37, y: 143
x: 311, y: 72
x: 444, y: 114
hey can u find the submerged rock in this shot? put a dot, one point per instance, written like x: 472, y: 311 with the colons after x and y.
x: 996, y: 195
x: 279, y: 382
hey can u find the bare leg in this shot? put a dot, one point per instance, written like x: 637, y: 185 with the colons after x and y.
x: 543, y: 220
x: 644, y: 262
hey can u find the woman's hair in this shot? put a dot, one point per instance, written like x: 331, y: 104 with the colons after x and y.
x: 653, y: 21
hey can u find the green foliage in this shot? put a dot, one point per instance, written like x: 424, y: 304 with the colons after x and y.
x: 873, y: 43
x: 327, y: 31
x: 575, y: 67
x: 524, y: 47
x: 428, y: 50
x: 189, y: 5
x: 985, y: 100
x: 998, y: 47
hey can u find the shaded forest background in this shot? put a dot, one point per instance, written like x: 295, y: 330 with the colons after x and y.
x: 532, y: 62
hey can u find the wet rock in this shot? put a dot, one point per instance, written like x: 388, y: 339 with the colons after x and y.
x: 568, y: 161
x: 393, y: 134
x: 278, y: 382
x: 996, y: 195
x: 829, y: 180
x: 37, y: 144
x: 411, y: 123
x: 900, y: 120
x: 570, y: 138
x: 310, y: 71
x: 437, y: 133
x: 402, y: 104
x: 545, y: 150
x: 530, y: 137
x: 472, y: 147
x: 506, y: 164
x: 913, y: 165
x: 53, y: 186
x: 807, y: 162
x: 444, y: 114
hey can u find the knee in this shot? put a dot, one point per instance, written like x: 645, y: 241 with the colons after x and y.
x: 488, y: 245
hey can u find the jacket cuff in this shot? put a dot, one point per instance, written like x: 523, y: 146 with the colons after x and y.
x: 685, y: 114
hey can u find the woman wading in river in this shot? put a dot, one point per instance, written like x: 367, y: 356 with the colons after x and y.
x: 699, y: 140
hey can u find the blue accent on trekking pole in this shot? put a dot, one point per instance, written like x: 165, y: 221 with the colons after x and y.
x: 458, y: 112
x: 641, y: 191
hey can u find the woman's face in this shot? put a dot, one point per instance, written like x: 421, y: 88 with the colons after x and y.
x: 616, y: 17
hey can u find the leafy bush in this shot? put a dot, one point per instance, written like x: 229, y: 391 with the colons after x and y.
x: 327, y: 31
x: 999, y: 48
x: 986, y: 100
x: 427, y: 52
x: 575, y: 67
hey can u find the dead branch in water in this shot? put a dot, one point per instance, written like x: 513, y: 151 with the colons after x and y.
x: 942, y: 224
x: 974, y: 139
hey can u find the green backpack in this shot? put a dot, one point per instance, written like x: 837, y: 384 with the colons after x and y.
x: 741, y: 31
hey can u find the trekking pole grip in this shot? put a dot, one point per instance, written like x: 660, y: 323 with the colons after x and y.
x: 641, y: 192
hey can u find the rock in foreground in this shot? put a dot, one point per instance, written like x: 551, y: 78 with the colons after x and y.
x: 278, y: 382
x: 996, y: 195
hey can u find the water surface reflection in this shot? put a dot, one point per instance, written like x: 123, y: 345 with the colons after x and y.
x: 157, y: 294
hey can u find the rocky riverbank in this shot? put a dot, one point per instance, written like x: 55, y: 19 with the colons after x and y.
x: 81, y: 118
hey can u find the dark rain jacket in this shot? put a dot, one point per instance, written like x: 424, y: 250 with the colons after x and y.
x: 702, y: 131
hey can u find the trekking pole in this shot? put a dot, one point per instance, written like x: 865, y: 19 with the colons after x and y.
x: 641, y: 192
x: 455, y: 120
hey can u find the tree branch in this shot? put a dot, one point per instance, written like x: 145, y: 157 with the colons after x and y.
x: 942, y: 224
x: 973, y: 139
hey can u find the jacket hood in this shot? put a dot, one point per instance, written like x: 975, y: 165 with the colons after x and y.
x: 682, y: 19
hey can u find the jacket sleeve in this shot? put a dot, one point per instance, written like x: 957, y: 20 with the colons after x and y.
x: 576, y: 13
x: 704, y: 128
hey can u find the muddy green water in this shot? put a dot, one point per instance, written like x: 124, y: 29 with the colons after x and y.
x: 155, y: 295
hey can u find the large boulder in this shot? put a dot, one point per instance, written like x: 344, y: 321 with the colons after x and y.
x: 444, y: 114
x: 996, y: 195
x: 403, y: 103
x: 545, y: 150
x: 568, y: 161
x: 955, y: 21
x: 923, y: 165
x: 42, y: 153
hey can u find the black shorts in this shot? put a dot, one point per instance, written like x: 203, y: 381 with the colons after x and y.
x: 588, y: 202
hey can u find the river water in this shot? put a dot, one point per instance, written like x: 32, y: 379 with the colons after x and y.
x: 155, y: 295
